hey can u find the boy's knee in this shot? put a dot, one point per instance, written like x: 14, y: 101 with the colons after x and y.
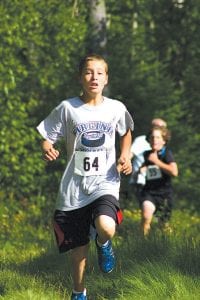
x: 105, y: 225
x: 104, y: 221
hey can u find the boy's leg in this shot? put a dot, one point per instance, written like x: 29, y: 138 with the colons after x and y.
x: 166, y: 210
x: 105, y: 227
x: 72, y: 234
x: 148, y: 209
x: 78, y: 262
x: 106, y: 215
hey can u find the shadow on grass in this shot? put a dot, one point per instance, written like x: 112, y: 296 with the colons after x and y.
x: 182, y: 253
x: 53, y: 269
x: 132, y: 252
x: 187, y: 258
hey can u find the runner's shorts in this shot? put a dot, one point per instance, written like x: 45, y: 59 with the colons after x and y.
x: 162, y: 201
x: 72, y: 228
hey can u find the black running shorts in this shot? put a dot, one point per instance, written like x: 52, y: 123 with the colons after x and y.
x: 163, y: 203
x: 72, y: 228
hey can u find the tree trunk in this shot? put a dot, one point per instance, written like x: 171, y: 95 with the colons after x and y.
x: 98, y: 38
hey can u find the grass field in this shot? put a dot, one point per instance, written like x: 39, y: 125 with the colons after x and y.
x: 163, y: 266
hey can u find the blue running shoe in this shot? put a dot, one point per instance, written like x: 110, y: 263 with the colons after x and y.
x: 80, y: 296
x: 106, y: 257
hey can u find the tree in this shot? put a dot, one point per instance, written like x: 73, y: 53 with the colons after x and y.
x: 152, y: 48
x: 97, y: 36
x: 40, y: 46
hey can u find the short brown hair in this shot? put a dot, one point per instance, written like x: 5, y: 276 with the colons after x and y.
x: 90, y: 57
x: 166, y: 134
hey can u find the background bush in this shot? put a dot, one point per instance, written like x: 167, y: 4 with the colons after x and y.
x: 152, y: 49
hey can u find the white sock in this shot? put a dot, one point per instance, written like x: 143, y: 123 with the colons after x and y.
x: 76, y: 293
x: 102, y: 245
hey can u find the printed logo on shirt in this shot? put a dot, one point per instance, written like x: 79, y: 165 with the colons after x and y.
x: 93, y: 134
x: 93, y: 139
x: 96, y: 126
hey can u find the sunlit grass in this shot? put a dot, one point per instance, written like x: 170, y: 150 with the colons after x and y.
x: 162, y: 266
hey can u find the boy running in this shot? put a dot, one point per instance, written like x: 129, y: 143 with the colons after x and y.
x: 89, y: 189
x: 159, y: 167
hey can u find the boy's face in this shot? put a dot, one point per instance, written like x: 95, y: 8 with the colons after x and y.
x: 94, y: 77
x: 156, y: 140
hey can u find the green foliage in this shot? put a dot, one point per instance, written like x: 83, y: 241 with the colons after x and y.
x: 152, y: 49
x: 155, y: 67
x: 39, y: 45
x: 142, y: 78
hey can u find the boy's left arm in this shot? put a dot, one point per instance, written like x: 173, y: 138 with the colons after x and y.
x: 124, y: 164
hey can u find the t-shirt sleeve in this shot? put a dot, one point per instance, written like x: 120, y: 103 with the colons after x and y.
x: 140, y: 145
x: 169, y: 157
x: 52, y: 128
x: 125, y: 122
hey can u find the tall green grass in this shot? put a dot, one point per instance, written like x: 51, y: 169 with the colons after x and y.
x: 162, y: 266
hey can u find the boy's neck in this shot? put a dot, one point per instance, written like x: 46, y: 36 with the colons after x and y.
x: 93, y: 101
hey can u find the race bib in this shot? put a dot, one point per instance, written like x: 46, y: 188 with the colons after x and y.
x: 90, y: 163
x: 153, y: 172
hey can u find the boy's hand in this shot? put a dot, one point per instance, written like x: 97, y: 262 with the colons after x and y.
x: 143, y: 170
x: 51, y: 154
x: 124, y: 165
x: 153, y: 157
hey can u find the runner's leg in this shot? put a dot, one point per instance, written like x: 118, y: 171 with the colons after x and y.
x: 148, y: 209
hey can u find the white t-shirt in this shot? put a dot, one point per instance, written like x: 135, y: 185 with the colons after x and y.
x: 89, y: 134
x: 139, y: 146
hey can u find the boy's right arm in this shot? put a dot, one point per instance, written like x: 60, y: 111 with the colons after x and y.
x: 49, y: 152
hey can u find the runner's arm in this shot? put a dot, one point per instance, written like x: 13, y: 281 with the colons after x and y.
x: 49, y: 152
x: 124, y: 162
